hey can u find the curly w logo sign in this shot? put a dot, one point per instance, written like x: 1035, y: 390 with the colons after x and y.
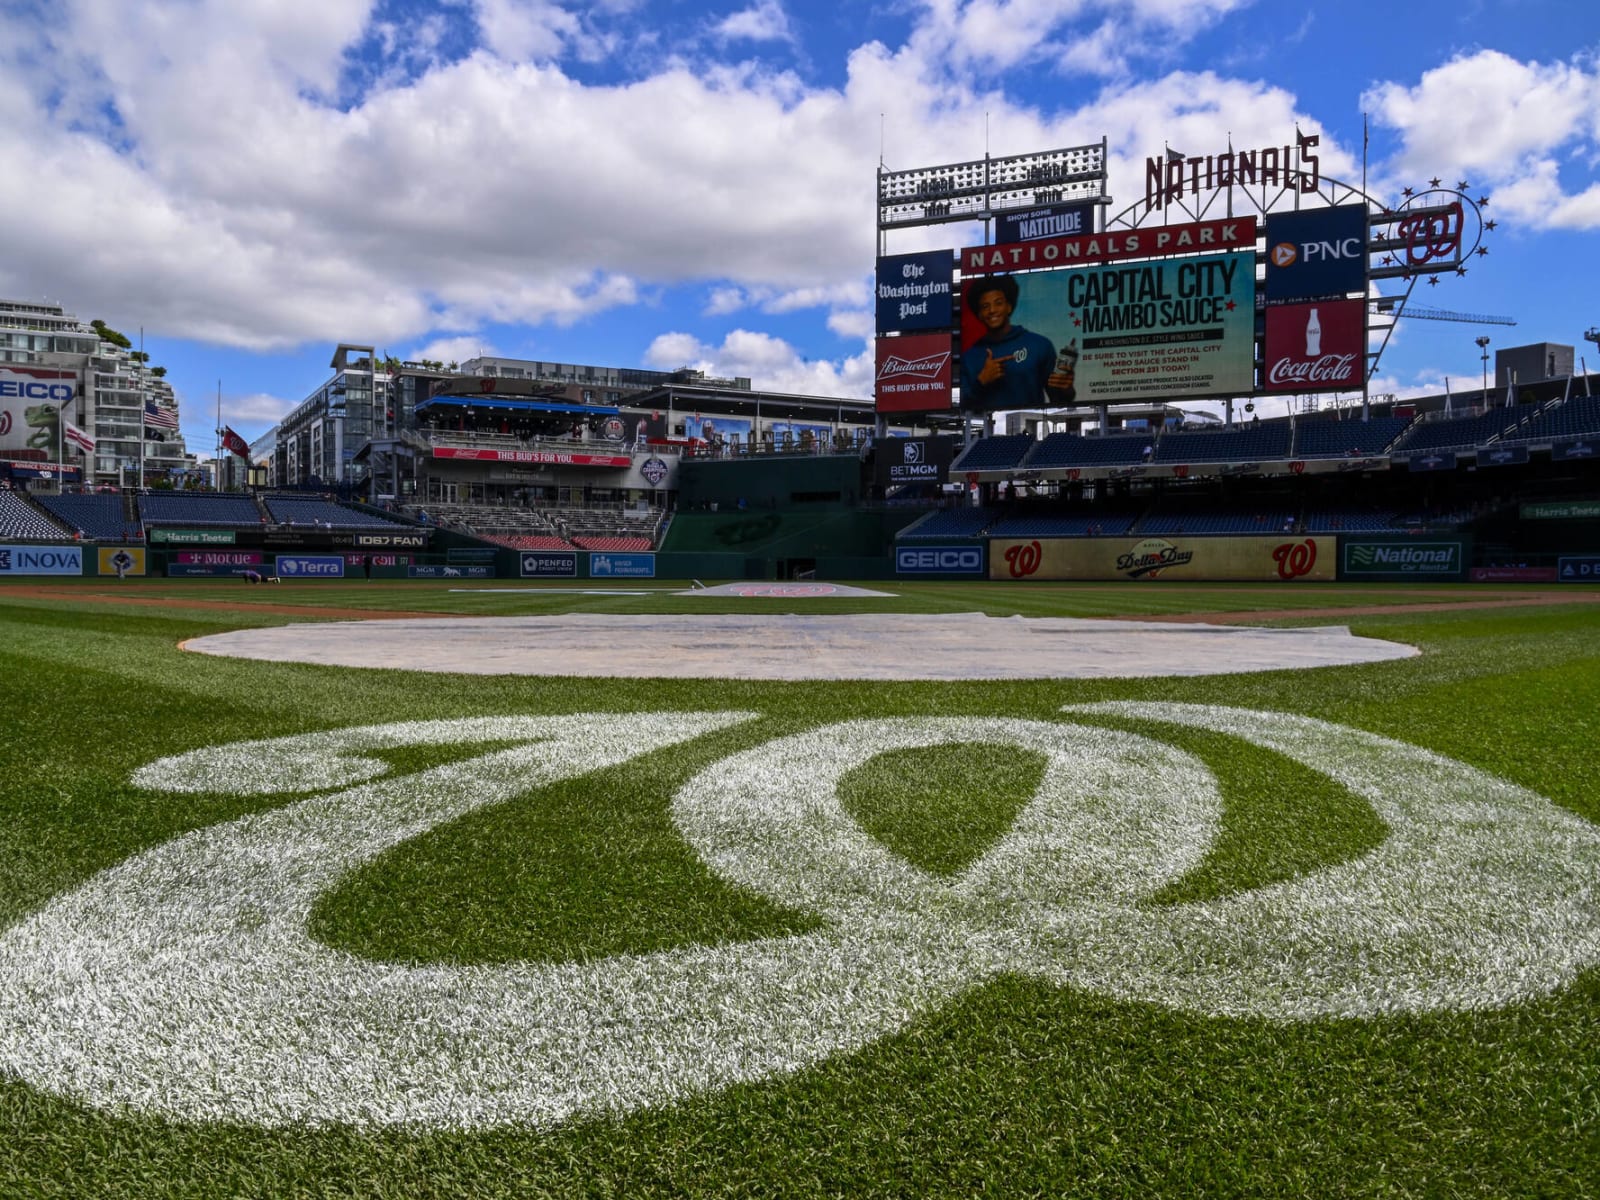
x: 183, y: 982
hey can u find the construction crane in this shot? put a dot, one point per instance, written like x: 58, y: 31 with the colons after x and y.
x: 1396, y: 306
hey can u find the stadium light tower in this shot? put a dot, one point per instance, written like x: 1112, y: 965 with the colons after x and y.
x: 1483, y: 344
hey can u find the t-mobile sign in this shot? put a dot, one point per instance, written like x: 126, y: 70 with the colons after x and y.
x: 1315, y: 347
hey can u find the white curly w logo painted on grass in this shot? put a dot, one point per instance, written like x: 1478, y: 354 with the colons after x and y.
x: 183, y: 981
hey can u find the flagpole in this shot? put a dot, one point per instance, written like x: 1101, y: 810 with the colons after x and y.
x: 219, y: 436
x: 61, y: 446
x: 143, y: 400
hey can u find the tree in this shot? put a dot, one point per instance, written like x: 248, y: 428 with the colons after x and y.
x: 159, y: 372
x: 108, y: 334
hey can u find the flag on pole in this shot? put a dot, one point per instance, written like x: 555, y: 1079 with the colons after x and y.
x: 158, y: 417
x: 232, y: 441
x: 76, y: 436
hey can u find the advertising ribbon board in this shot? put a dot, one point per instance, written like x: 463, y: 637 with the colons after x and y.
x: 1402, y: 558
x: 1282, y: 558
x: 447, y: 572
x: 310, y: 566
x: 622, y: 566
x: 968, y: 559
x: 1502, y: 456
x: 1579, y: 569
x: 1432, y: 462
x: 1558, y: 510
x: 1564, y: 451
x: 195, y: 537
x: 546, y: 564
x: 472, y: 454
x: 41, y: 560
x: 120, y: 560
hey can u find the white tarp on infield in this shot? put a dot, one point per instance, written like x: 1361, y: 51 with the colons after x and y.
x: 884, y: 646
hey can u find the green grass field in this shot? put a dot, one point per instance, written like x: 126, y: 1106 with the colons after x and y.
x: 958, y: 942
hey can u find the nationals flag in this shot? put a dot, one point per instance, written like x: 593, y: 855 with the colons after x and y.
x: 232, y: 441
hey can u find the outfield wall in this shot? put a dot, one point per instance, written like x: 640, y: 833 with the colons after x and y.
x: 1191, y: 559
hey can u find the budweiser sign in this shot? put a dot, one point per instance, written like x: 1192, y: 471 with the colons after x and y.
x: 927, y: 368
x: 914, y: 372
x: 1316, y: 347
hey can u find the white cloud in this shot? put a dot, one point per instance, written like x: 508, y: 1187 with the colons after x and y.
x: 444, y: 195
x: 725, y: 300
x: 257, y: 409
x: 771, y: 364
x: 1501, y: 122
x: 451, y: 350
x: 520, y: 30
x: 853, y: 323
x: 764, y: 21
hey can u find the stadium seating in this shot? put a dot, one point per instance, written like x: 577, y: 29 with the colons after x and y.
x: 1350, y: 520
x: 1044, y: 525
x: 1071, y: 450
x: 22, y: 522
x: 951, y: 523
x: 612, y: 544
x: 1254, y: 442
x: 1456, y: 432
x: 1341, y: 439
x: 532, y: 541
x: 95, y: 516
x: 1577, y: 417
x: 1175, y: 519
x: 994, y: 453
x: 314, y: 510
x: 198, y: 508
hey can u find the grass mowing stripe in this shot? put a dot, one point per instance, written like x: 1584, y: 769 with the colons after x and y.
x: 1018, y: 1088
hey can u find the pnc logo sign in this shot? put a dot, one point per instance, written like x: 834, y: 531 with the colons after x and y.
x: 1284, y: 254
x: 184, y: 983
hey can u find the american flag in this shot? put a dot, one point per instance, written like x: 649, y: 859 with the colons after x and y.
x: 159, y: 417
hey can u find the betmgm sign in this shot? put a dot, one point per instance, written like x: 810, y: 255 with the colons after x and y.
x: 902, y: 461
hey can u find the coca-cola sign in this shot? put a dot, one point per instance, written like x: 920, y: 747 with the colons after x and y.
x: 1318, y: 347
x: 1338, y: 371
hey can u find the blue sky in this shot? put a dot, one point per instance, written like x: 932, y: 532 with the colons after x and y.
x: 663, y: 183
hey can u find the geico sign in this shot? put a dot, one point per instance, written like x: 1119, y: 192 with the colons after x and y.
x: 35, y: 391
x: 966, y: 560
x: 184, y: 982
